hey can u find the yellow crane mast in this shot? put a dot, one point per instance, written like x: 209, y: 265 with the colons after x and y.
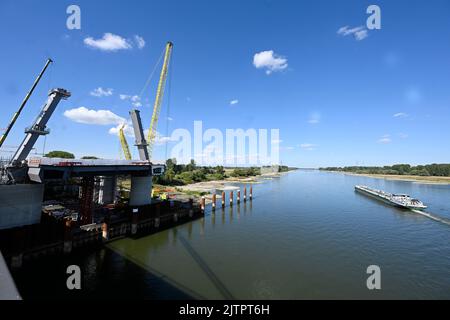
x: 124, y: 143
x: 158, y: 99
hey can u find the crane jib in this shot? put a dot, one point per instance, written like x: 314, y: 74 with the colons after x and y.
x: 158, y: 99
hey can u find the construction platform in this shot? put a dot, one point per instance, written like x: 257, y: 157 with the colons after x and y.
x: 40, y: 169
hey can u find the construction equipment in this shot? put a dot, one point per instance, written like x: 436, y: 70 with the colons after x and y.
x: 140, y: 143
x: 158, y: 99
x: 38, y: 127
x: 25, y: 100
x: 124, y: 143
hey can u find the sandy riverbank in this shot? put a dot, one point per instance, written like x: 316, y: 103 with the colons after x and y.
x: 415, y: 179
x: 227, y: 184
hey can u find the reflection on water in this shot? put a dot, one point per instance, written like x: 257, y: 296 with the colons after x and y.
x: 306, y: 235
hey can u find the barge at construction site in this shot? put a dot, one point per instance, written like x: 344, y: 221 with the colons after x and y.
x: 394, y: 199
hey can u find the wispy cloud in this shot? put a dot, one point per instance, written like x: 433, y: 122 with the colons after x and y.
x: 385, y: 139
x: 403, y: 135
x: 308, y: 146
x: 269, y: 61
x: 233, y: 102
x: 400, y: 115
x: 100, y: 92
x: 96, y: 117
x: 109, y: 42
x: 135, y: 100
x: 140, y: 42
x: 314, y: 118
x: 360, y: 33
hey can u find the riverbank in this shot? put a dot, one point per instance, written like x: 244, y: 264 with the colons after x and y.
x: 410, y: 178
x: 206, y: 188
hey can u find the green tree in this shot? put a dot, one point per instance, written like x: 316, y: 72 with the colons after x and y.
x: 60, y: 154
x: 191, y: 166
x: 171, y: 163
x: 89, y: 157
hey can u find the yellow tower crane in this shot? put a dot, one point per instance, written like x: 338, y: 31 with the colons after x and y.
x: 156, y: 108
x: 158, y: 100
x: 124, y: 143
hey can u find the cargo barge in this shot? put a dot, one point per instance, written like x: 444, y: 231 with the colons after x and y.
x: 394, y: 199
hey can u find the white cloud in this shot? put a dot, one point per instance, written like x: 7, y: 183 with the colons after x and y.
x: 403, y: 135
x: 233, y: 102
x: 308, y: 146
x: 161, y: 140
x: 129, y: 132
x: 169, y: 118
x: 127, y: 129
x: 400, y: 115
x: 385, y: 139
x: 135, y: 100
x: 270, y: 61
x: 100, y: 92
x: 314, y: 118
x: 89, y: 116
x: 109, y: 42
x: 140, y: 42
x: 360, y: 33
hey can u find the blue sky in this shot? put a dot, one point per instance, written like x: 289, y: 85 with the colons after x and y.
x: 337, y: 99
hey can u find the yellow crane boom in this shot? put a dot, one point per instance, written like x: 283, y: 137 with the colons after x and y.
x: 124, y: 143
x: 158, y: 99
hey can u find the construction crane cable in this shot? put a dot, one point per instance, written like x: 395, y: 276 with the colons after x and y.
x: 169, y: 94
x: 158, y: 99
x: 24, y: 102
x: 123, y: 144
x: 149, y: 79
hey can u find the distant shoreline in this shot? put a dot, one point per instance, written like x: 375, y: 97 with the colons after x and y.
x: 410, y: 178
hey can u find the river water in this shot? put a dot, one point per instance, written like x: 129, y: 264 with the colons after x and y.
x: 306, y: 235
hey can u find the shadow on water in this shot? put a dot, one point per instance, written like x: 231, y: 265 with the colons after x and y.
x: 206, y: 269
x: 108, y: 273
x: 105, y: 275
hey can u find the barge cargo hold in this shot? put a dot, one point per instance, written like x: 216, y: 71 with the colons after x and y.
x: 398, y: 200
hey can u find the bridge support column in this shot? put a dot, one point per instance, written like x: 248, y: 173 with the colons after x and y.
x: 214, y: 201
x: 134, y: 221
x: 141, y: 188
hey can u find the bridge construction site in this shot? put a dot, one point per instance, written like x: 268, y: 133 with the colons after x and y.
x: 52, y: 205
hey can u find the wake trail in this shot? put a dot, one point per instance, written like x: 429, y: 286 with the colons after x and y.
x: 433, y: 217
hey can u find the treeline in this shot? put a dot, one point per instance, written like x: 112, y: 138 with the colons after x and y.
x: 439, y: 170
x: 182, y: 174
